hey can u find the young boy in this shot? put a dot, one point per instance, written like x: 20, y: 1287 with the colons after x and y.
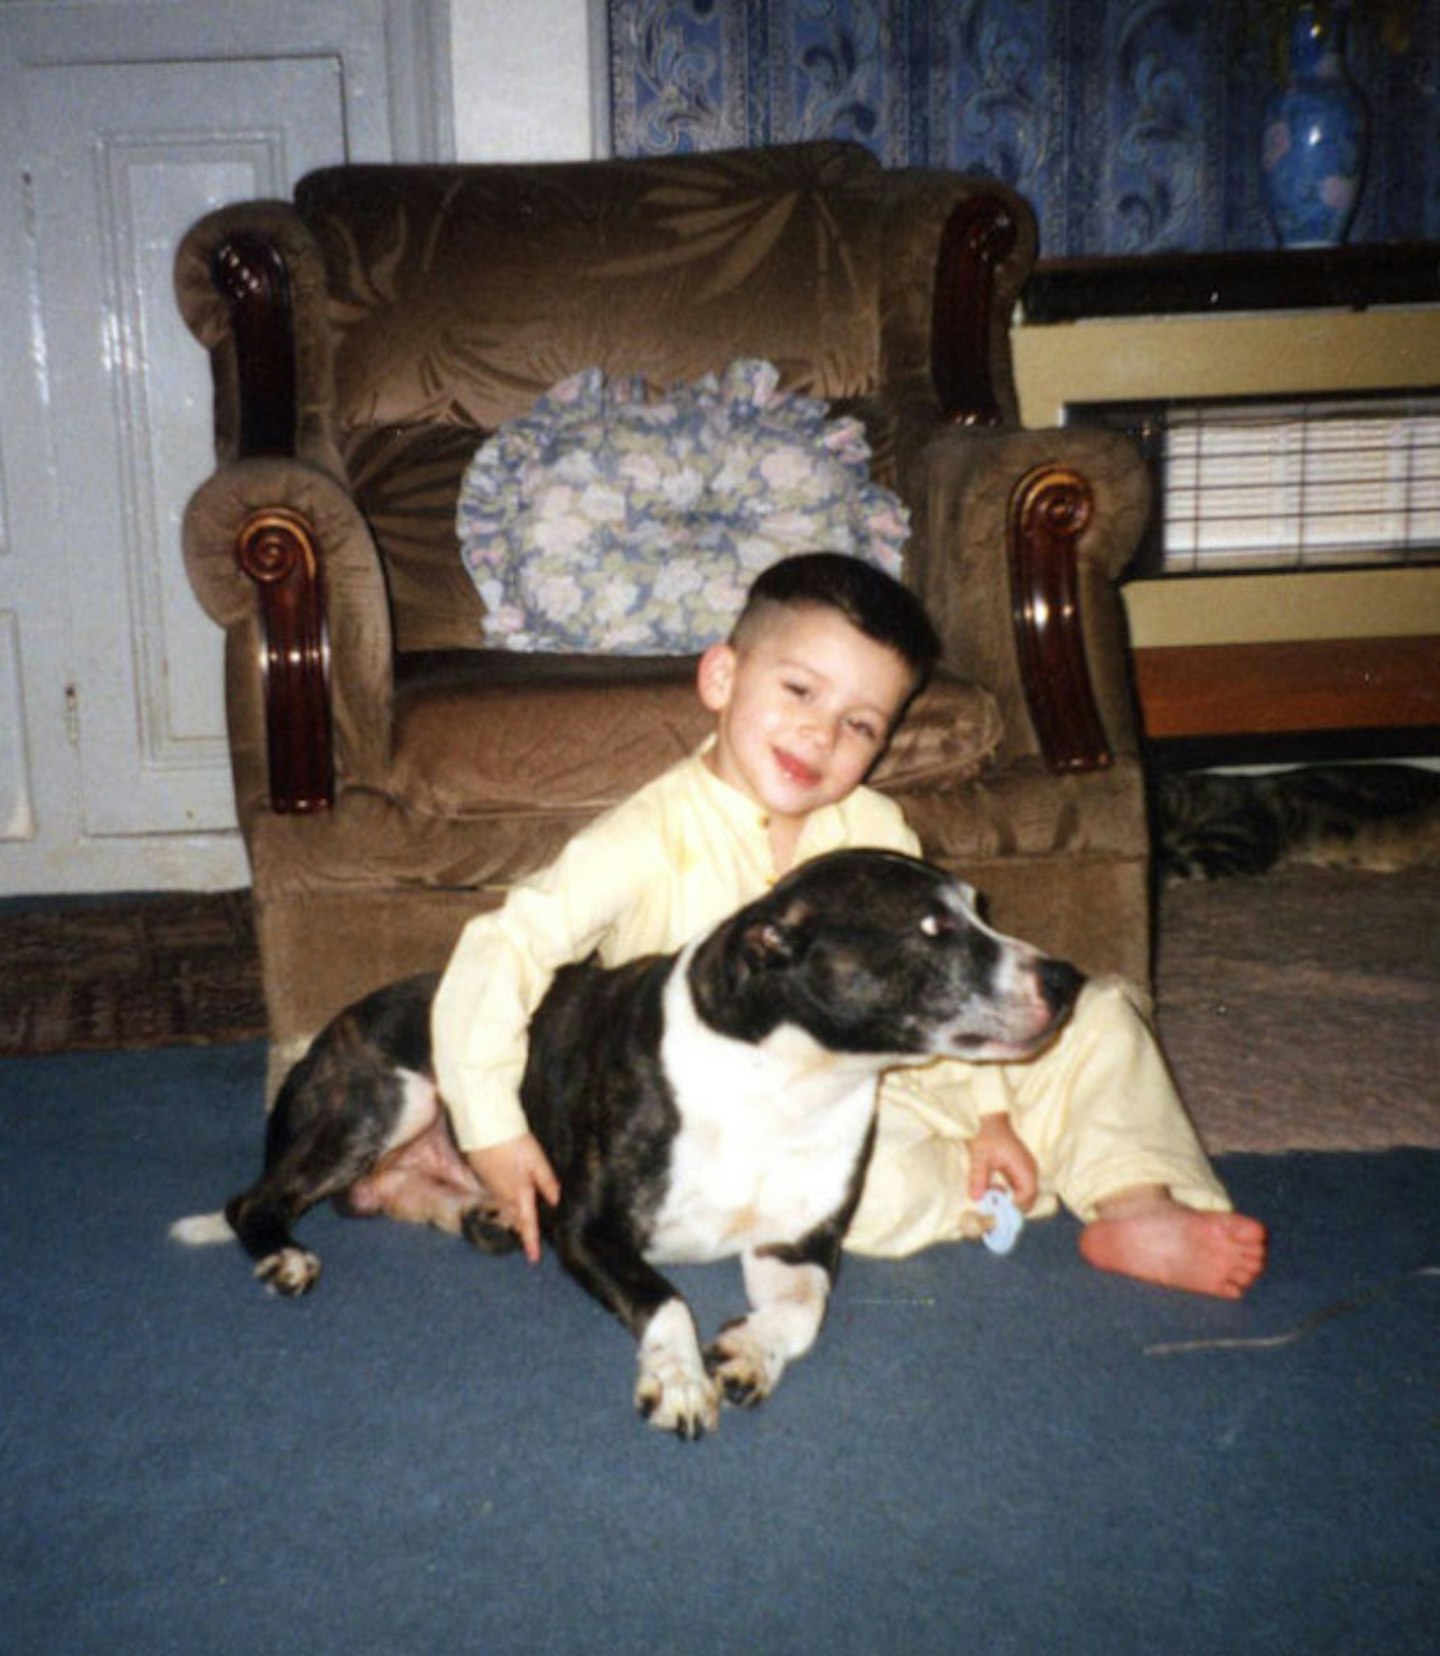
x: 806, y: 692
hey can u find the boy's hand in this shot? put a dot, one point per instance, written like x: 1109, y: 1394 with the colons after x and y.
x: 516, y: 1173
x: 997, y: 1151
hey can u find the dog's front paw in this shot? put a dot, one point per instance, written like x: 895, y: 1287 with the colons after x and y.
x: 674, y: 1392
x: 742, y: 1366
x: 680, y: 1402
x: 291, y: 1271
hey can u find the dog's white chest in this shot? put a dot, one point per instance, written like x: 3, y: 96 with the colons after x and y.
x: 768, y: 1141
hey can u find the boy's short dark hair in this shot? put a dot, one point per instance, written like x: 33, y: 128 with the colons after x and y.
x: 873, y: 602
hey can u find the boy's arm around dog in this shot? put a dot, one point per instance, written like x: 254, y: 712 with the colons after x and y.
x: 507, y: 959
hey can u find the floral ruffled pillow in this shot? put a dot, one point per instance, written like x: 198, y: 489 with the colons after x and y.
x: 604, y: 522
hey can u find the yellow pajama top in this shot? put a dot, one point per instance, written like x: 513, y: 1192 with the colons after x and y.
x: 659, y: 869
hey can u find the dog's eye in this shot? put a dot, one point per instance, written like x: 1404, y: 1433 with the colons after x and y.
x: 937, y: 925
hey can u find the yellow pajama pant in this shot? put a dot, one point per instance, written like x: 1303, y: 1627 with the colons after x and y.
x: 1098, y: 1110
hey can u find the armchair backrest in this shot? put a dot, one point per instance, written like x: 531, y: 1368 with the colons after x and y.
x: 426, y: 296
x: 391, y: 317
x: 458, y: 294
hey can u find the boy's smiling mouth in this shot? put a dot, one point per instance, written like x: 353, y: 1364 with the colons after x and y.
x: 796, y: 770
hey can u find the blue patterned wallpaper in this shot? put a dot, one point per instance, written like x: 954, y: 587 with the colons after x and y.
x: 1132, y: 125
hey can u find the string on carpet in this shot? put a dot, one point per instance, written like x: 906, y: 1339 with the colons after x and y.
x: 1308, y: 1325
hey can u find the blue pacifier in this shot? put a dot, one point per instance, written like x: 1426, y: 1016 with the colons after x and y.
x: 999, y: 1205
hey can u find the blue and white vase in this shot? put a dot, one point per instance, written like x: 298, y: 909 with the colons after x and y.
x: 1315, y: 136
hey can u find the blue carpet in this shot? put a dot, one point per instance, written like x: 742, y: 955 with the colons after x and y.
x: 436, y: 1451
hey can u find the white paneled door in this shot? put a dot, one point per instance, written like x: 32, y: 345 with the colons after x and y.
x: 121, y: 124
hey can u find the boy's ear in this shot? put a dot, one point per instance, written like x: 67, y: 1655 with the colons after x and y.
x: 715, y: 676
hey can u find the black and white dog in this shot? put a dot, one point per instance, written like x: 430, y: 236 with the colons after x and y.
x: 695, y: 1106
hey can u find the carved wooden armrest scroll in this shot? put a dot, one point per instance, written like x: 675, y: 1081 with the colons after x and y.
x: 1048, y: 513
x: 276, y: 550
x: 980, y: 231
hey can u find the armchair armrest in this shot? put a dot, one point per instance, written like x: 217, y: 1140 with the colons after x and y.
x: 972, y: 272
x: 1019, y: 538
x: 278, y: 554
x: 250, y: 273
x: 276, y: 551
x: 250, y: 283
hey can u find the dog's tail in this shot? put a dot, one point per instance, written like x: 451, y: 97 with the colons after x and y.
x: 200, y: 1230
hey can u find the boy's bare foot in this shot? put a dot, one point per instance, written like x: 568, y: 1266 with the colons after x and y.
x: 1147, y: 1234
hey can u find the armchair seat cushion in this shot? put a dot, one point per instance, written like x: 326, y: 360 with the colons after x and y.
x: 1027, y: 844
x: 489, y: 732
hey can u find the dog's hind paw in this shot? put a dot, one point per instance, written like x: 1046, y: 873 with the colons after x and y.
x: 484, y: 1231
x: 291, y: 1271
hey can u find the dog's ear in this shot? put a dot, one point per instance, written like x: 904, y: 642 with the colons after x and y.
x: 773, y: 941
x: 765, y: 945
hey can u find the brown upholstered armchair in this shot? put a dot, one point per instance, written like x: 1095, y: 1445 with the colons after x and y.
x: 392, y: 774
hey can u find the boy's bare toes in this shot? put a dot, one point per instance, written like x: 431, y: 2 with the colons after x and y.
x: 1176, y: 1247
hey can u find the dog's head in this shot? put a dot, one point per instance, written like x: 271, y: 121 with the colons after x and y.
x: 874, y: 952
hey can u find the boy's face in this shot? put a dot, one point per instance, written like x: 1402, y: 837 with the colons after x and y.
x: 804, y: 708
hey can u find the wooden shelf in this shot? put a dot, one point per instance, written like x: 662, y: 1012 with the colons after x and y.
x: 1191, y: 691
